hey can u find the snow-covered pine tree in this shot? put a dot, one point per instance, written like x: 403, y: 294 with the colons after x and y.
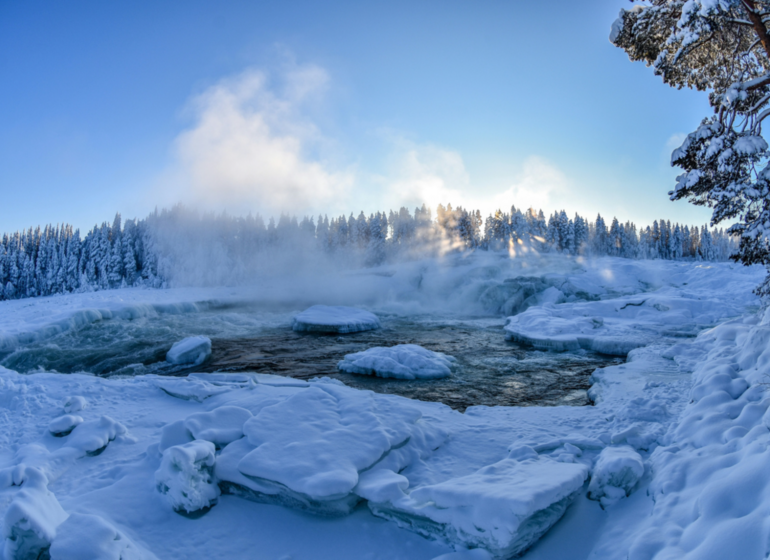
x: 722, y: 47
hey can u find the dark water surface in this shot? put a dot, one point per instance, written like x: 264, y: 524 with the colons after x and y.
x: 489, y: 371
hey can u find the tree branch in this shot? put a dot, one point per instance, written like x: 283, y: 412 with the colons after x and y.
x: 759, y: 26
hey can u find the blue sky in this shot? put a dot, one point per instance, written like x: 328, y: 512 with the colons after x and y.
x: 329, y: 107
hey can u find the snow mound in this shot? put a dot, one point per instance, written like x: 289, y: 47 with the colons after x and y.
x: 192, y: 350
x: 31, y: 520
x: 90, y: 537
x: 504, y: 507
x: 335, y: 319
x: 308, y: 450
x: 616, y: 472
x: 63, y: 425
x: 92, y: 437
x: 403, y: 361
x: 74, y: 404
x: 186, y: 476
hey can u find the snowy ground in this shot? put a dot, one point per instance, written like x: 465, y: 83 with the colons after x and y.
x: 254, y: 466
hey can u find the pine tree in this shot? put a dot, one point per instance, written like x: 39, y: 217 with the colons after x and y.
x: 722, y: 47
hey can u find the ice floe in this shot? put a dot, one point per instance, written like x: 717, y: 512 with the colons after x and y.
x: 192, y: 350
x: 335, y: 319
x: 403, y: 361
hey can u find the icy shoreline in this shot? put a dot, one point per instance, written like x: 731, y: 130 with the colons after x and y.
x: 290, y: 447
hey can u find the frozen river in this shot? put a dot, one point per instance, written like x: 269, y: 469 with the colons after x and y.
x: 490, y: 371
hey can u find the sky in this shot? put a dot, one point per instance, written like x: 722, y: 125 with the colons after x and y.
x: 333, y: 107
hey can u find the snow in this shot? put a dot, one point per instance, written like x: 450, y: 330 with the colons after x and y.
x: 63, y: 425
x: 335, y: 319
x: 675, y: 449
x: 89, y: 537
x: 192, y: 350
x: 688, y: 305
x: 504, y: 507
x: 185, y: 476
x: 616, y: 472
x: 403, y: 361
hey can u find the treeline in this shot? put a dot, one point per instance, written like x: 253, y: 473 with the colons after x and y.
x: 148, y: 252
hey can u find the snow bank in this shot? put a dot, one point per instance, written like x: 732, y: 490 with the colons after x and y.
x: 710, y: 483
x: 619, y: 325
x: 403, y: 361
x: 335, y: 319
x: 192, y: 350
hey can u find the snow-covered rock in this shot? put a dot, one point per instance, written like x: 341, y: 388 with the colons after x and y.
x: 31, y: 519
x: 503, y: 508
x: 335, y: 319
x: 74, y: 404
x: 192, y: 350
x: 403, y: 361
x: 92, y: 437
x: 186, y: 476
x: 63, y: 425
x: 616, y: 472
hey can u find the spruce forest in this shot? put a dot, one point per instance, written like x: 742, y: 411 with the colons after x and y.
x: 57, y: 260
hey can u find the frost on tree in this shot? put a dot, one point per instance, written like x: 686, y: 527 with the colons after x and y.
x: 723, y: 47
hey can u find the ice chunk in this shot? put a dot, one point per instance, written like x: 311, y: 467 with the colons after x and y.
x: 192, y: 350
x: 32, y: 518
x: 90, y: 537
x: 74, y: 404
x: 220, y: 426
x: 403, y: 361
x: 504, y: 507
x: 381, y: 485
x: 317, y: 441
x: 174, y: 433
x: 616, y: 472
x: 308, y: 450
x: 186, y: 476
x: 92, y: 437
x: 335, y: 319
x: 63, y: 425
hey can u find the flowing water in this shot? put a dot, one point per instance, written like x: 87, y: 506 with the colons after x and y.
x: 489, y: 371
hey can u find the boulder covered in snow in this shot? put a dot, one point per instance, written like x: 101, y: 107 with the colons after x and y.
x: 403, y: 361
x: 186, y: 478
x: 616, y: 472
x: 335, y: 319
x: 192, y: 350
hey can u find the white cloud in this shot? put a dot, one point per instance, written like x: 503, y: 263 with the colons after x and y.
x: 248, y: 147
x: 432, y: 175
